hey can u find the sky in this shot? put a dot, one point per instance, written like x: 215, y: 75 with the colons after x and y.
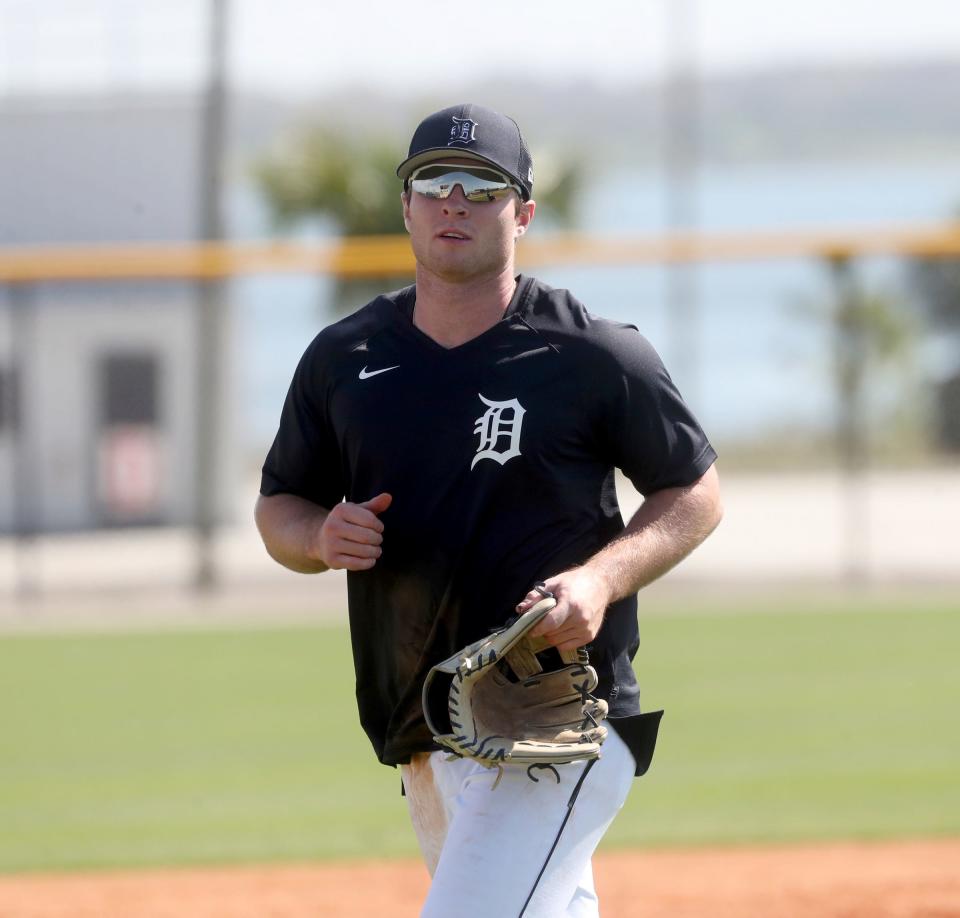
x: 307, y: 46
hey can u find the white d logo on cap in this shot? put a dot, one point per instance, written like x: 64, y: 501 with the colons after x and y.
x: 464, y: 130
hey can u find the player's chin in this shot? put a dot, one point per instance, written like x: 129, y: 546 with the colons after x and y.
x: 455, y: 270
x: 457, y: 266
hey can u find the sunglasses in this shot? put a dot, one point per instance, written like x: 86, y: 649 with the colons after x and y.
x: 479, y: 184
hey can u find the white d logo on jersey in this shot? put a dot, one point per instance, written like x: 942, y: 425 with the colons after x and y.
x: 500, y: 420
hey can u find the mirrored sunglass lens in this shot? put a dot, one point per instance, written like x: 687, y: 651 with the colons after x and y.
x: 477, y: 184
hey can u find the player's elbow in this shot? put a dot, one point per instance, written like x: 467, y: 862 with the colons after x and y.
x: 265, y: 518
x: 261, y: 517
x: 711, y: 504
x: 286, y: 524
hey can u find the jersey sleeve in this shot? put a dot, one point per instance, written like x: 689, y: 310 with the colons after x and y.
x: 304, y: 459
x: 653, y: 436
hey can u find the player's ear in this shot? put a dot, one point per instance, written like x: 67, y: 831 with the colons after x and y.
x: 405, y: 199
x: 524, y: 216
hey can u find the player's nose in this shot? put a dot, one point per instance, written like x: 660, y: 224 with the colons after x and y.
x: 456, y: 202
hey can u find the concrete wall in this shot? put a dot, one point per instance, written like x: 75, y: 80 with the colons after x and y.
x: 59, y: 341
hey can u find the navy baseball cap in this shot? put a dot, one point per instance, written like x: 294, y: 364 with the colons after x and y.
x: 473, y: 132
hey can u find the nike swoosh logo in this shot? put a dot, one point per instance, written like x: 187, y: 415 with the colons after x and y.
x: 366, y: 374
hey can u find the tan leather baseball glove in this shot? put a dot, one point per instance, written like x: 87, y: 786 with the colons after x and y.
x: 511, y: 699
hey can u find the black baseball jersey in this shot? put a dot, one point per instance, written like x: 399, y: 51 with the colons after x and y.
x: 500, y: 457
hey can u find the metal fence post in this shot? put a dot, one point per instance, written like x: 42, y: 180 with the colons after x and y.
x: 211, y: 307
x: 850, y: 368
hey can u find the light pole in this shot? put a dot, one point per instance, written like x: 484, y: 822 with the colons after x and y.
x: 211, y: 308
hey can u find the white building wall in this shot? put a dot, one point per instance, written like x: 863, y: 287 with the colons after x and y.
x: 71, y: 328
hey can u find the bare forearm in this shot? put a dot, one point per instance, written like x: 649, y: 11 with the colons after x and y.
x: 309, y: 539
x: 288, y: 526
x: 668, y: 526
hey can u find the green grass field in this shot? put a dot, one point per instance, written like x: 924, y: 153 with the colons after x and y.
x: 837, y: 721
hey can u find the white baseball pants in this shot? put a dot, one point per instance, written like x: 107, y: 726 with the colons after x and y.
x: 513, y: 850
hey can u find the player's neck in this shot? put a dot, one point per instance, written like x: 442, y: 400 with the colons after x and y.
x: 452, y: 313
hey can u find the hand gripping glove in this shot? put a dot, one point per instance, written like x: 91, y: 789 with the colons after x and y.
x: 511, y: 699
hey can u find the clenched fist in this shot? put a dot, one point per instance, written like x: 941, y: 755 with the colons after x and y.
x: 351, y: 535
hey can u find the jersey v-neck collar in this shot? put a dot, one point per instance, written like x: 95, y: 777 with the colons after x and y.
x: 405, y: 303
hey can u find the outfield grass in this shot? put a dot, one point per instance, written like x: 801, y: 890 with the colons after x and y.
x: 841, y: 723
x: 194, y: 747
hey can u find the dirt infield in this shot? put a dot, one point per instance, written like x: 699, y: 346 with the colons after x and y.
x: 888, y: 880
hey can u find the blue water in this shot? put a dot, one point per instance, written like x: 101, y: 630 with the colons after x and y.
x: 755, y: 357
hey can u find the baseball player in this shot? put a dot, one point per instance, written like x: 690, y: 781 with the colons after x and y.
x: 453, y: 445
